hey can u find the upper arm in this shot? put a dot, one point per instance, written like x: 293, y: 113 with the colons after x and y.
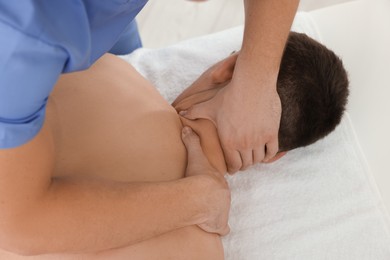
x: 25, y: 176
x: 29, y: 69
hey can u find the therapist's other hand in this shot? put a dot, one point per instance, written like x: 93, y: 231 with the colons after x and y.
x: 247, y: 115
x: 216, y: 188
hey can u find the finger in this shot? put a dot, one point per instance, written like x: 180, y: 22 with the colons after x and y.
x: 233, y: 160
x: 272, y: 148
x: 194, y: 150
x: 225, y: 231
x: 201, y: 110
x: 258, y: 155
x: 246, y: 158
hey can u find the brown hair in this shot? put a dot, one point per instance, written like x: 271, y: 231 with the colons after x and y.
x: 313, y: 89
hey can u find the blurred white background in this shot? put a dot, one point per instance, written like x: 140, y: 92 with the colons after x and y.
x: 165, y: 22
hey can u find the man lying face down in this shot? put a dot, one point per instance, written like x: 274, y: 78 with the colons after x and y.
x: 312, y: 85
x: 117, y: 162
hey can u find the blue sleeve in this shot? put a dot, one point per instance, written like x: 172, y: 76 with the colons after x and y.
x: 39, y: 40
x: 129, y: 41
x: 29, y: 68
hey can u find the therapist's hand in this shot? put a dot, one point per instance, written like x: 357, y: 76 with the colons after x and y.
x: 215, y: 191
x: 247, y: 115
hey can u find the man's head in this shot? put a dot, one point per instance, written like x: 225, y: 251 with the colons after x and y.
x: 313, y: 89
x: 312, y: 85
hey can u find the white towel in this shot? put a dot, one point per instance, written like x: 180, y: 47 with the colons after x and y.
x: 318, y: 202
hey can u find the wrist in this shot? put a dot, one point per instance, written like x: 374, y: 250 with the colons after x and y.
x: 253, y: 82
x: 199, y: 191
x: 256, y: 60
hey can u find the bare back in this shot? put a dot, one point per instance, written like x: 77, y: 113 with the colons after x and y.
x: 109, y: 122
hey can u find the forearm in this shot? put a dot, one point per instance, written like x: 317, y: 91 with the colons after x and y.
x: 90, y: 215
x: 267, y: 25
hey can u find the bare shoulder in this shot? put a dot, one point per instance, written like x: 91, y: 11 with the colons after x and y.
x: 110, y: 111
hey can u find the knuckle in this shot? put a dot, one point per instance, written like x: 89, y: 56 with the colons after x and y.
x: 228, y: 147
x: 266, y: 137
x: 229, y: 142
x: 244, y: 145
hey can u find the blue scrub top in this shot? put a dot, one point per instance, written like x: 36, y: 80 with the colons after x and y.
x: 39, y: 40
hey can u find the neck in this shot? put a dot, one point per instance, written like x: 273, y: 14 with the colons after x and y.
x: 206, y: 130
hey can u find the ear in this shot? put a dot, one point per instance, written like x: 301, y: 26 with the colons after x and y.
x: 276, y: 157
x: 223, y: 70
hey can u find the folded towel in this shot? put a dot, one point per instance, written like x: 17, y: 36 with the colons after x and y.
x: 318, y: 202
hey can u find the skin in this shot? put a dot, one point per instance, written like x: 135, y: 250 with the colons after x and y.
x: 82, y: 118
x: 248, y: 137
x: 38, y: 198
x: 102, y: 154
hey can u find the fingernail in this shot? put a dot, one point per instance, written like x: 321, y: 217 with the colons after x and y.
x: 186, y: 130
x: 183, y: 112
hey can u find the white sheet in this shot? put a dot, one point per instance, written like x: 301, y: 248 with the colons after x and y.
x: 318, y: 202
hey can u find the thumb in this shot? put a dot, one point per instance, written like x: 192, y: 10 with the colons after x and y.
x: 201, y: 110
x: 196, y: 158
